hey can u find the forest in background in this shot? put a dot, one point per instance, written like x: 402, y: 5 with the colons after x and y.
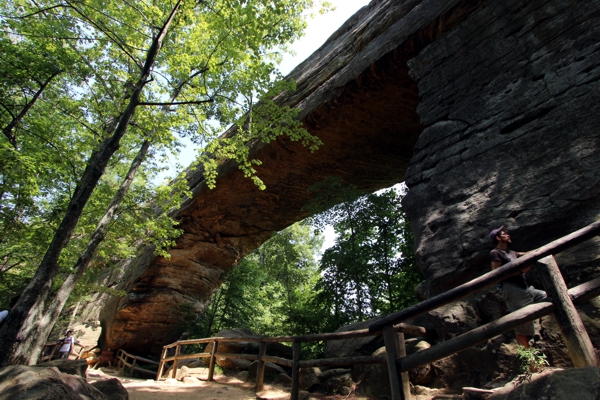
x: 287, y: 287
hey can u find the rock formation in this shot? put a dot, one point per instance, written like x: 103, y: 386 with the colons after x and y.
x: 59, y: 380
x: 510, y: 104
x: 487, y: 108
x: 582, y: 383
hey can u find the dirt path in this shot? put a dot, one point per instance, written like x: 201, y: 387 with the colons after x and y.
x: 223, y: 388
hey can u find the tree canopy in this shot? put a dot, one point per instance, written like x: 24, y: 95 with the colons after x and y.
x: 371, y: 269
x: 283, y: 289
x: 93, y: 95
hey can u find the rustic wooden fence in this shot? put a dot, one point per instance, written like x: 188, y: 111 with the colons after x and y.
x: 50, y: 351
x: 262, y: 357
x: 575, y: 335
x: 124, y: 359
x: 393, y: 328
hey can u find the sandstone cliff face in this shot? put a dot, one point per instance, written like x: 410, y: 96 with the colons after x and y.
x: 368, y: 123
x: 510, y: 105
x: 495, y: 104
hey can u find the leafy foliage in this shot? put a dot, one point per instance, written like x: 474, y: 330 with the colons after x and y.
x: 269, y: 291
x: 532, y: 360
x: 83, y: 86
x: 281, y: 289
x: 371, y: 269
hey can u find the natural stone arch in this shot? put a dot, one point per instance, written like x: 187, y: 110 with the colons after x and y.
x: 405, y: 82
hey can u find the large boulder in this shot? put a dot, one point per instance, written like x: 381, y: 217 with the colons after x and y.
x: 73, y: 367
x: 272, y: 371
x: 373, y: 380
x: 18, y: 382
x: 308, y: 378
x: 112, y: 388
x: 576, y: 383
x: 360, y: 346
x: 365, y: 346
x: 455, y: 318
x: 339, y: 384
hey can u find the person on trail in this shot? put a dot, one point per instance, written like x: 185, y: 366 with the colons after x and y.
x: 66, y: 345
x: 515, y: 290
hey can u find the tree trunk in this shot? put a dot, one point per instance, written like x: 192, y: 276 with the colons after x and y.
x: 30, y: 349
x: 25, y: 314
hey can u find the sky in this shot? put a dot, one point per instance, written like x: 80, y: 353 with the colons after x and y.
x: 318, y: 30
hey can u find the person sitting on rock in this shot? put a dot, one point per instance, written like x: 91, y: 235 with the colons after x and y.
x: 515, y: 290
x: 66, y: 345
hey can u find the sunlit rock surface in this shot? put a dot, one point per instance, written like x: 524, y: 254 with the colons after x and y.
x: 496, y: 106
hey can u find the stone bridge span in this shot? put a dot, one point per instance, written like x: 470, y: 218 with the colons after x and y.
x: 488, y: 109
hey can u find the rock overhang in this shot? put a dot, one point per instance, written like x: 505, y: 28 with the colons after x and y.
x: 402, y: 82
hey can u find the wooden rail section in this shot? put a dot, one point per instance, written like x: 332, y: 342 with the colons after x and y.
x: 125, y: 359
x: 393, y: 328
x: 50, y: 351
x: 172, y: 352
x: 490, y: 278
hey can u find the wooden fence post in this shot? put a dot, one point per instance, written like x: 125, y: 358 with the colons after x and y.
x: 576, y: 337
x: 211, y: 365
x: 161, y: 364
x: 295, y: 370
x: 175, y: 362
x: 132, y: 366
x: 401, y: 352
x: 260, y: 370
x: 391, y: 353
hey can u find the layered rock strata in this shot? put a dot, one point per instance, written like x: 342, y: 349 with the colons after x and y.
x: 510, y: 105
x: 495, y: 105
x: 358, y: 99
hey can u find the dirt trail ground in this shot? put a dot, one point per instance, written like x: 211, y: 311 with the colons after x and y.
x: 223, y: 388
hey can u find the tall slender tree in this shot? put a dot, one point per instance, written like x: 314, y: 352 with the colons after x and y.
x: 135, y: 60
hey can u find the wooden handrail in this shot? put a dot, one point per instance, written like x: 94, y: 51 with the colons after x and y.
x: 317, y: 337
x: 146, y: 360
x: 122, y: 361
x: 580, y: 294
x: 394, y: 323
x: 490, y: 278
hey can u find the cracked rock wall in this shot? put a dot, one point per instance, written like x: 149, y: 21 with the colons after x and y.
x: 488, y: 109
x: 510, y: 105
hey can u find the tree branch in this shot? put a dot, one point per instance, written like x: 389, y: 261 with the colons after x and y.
x: 8, y: 130
x: 176, y: 103
x: 41, y: 11
x: 115, y: 39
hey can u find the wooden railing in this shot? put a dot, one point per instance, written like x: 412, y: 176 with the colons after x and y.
x: 576, y: 338
x: 124, y: 359
x: 50, y: 350
x: 295, y: 364
x: 392, y: 326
